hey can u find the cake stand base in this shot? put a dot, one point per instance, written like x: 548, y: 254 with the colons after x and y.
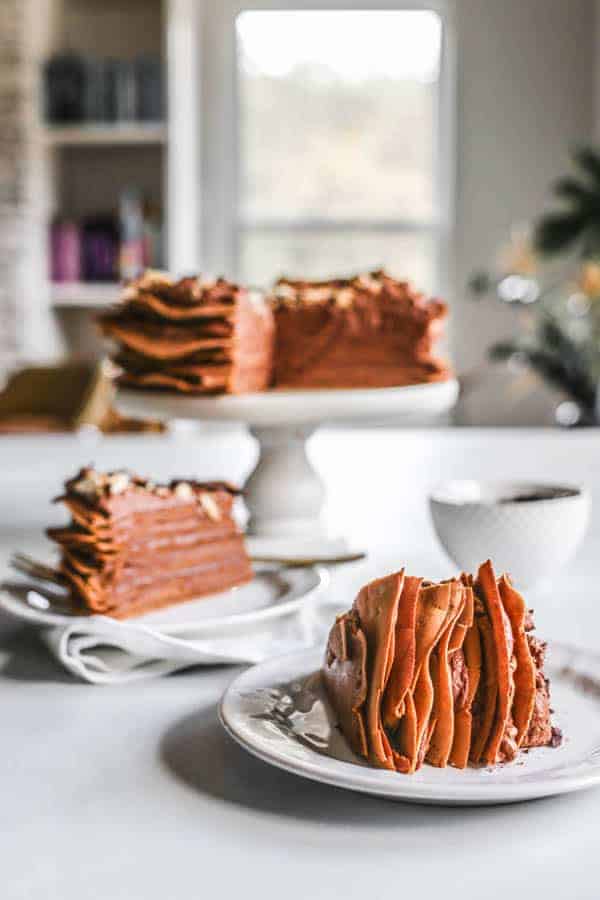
x: 284, y: 494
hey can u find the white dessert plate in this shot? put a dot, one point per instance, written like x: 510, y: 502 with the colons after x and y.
x: 270, y: 595
x: 277, y: 711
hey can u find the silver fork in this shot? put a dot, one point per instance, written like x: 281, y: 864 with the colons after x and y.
x: 43, y: 594
x: 21, y: 562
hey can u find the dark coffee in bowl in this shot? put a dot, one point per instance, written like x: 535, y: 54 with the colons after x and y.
x: 540, y: 494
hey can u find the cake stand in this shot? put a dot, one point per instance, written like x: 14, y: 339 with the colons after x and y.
x: 284, y: 494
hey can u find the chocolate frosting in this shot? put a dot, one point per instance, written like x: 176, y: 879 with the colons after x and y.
x: 345, y: 678
x: 540, y: 731
x: 367, y: 331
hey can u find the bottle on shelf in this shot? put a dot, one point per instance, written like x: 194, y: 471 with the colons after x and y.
x: 149, y: 88
x: 103, y: 89
x: 64, y: 88
x: 65, y: 251
x: 131, y: 221
x: 108, y: 247
x: 100, y: 248
x: 126, y: 90
x: 153, y: 237
x: 100, y: 91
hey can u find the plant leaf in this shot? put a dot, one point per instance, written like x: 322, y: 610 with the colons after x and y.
x: 558, y: 231
x: 503, y: 350
x: 582, y: 198
x: 588, y: 159
x: 556, y: 358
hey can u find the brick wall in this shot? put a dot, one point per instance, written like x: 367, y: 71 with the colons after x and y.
x: 12, y: 175
x: 28, y: 331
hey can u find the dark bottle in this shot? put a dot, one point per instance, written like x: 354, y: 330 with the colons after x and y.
x: 149, y: 79
x: 100, y: 248
x: 125, y: 90
x: 64, y: 88
x: 100, y: 90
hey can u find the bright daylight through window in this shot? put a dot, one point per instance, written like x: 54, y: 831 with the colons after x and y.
x: 338, y: 143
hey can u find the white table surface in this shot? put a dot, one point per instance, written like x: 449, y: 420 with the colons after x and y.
x: 135, y: 791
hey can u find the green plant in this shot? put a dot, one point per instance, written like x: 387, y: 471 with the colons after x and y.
x: 559, y: 323
x: 579, y: 220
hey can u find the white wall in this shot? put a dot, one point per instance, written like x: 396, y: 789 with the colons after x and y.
x: 525, y: 96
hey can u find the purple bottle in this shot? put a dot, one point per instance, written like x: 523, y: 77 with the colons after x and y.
x: 100, y: 249
x: 65, y: 251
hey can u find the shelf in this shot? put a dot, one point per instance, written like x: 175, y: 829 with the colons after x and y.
x: 105, y: 135
x: 84, y: 295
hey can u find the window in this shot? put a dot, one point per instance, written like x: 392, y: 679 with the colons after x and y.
x: 332, y: 158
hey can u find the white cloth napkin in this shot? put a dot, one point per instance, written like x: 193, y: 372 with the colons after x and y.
x: 104, y: 651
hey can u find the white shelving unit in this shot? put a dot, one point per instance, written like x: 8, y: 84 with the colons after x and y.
x: 80, y: 170
x: 101, y: 135
x: 84, y: 295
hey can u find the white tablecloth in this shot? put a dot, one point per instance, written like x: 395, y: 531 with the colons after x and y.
x: 135, y: 793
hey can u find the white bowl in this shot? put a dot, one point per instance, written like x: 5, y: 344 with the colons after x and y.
x: 529, y: 530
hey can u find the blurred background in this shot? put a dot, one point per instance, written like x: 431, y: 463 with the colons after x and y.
x: 255, y: 139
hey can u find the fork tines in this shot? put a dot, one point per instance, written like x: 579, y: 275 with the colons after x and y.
x: 29, y: 566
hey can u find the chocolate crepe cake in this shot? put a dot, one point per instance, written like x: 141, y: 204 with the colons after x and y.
x: 192, y: 336
x: 133, y: 546
x: 201, y: 337
x: 446, y: 673
x: 367, y: 331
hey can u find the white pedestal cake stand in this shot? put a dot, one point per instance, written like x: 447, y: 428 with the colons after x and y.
x: 284, y: 494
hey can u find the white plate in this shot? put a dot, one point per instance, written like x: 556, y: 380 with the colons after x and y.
x: 270, y: 595
x: 275, y: 714
x: 277, y: 408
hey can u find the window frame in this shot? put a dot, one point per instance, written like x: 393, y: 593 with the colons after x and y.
x: 221, y: 223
